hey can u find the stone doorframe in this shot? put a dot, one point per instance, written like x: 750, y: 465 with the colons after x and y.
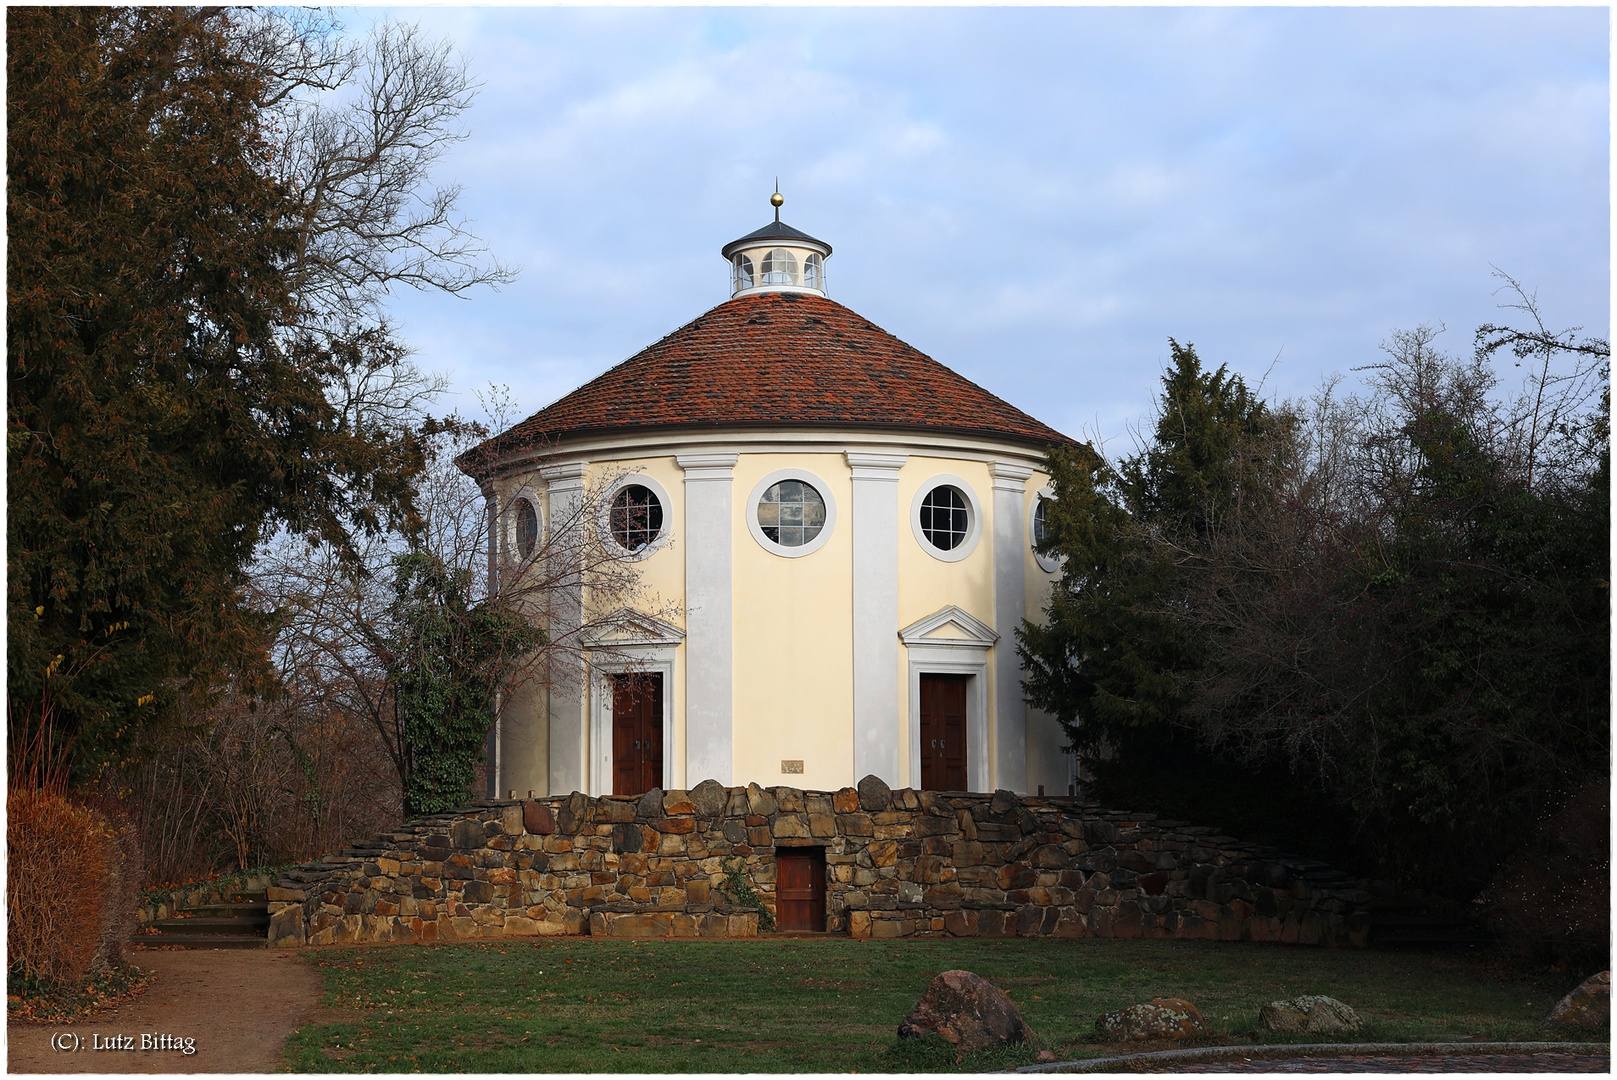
x: 632, y: 644
x: 952, y: 642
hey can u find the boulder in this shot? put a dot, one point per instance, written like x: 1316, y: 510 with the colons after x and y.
x: 467, y: 834
x: 710, y: 798
x: 874, y: 795
x: 1159, y: 1018
x: 1310, y: 1013
x: 574, y: 814
x: 1588, y: 1006
x: 1003, y: 801
x: 761, y: 802
x: 650, y: 804
x: 967, y: 1010
x: 537, y: 818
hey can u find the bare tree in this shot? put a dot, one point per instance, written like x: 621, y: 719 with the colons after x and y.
x: 341, y: 644
x: 1550, y: 421
x: 360, y: 126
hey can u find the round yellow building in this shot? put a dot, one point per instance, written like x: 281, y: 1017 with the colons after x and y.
x: 833, y: 536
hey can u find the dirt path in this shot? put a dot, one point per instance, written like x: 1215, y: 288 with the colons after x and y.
x: 237, y: 1005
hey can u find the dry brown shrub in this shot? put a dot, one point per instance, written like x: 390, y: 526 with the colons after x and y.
x: 61, y: 864
x: 120, y: 918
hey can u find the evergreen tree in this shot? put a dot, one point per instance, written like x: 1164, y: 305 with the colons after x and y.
x: 161, y: 418
x: 1377, y: 633
x: 448, y: 657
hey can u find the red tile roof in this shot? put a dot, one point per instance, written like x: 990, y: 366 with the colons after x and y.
x: 767, y: 360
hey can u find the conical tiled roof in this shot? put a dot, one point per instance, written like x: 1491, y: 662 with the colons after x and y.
x: 784, y: 359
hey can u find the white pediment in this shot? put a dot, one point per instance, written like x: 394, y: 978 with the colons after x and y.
x: 626, y: 627
x: 949, y: 626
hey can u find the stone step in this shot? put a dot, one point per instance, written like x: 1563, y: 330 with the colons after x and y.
x: 248, y: 896
x: 258, y: 925
x: 249, y: 908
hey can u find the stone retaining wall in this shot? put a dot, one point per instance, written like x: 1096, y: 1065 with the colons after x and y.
x: 898, y: 864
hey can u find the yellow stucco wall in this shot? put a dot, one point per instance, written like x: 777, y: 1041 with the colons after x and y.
x: 927, y: 584
x: 793, y: 637
x: 792, y: 626
x: 661, y: 575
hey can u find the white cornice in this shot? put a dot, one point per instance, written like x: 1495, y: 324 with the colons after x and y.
x: 868, y: 466
x: 1008, y: 477
x: 691, y: 444
x: 708, y: 466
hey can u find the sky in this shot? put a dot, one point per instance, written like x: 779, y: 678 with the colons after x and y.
x: 1038, y: 198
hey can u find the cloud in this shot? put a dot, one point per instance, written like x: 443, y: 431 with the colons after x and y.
x: 1038, y: 197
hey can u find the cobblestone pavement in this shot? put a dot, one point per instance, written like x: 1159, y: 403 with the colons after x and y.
x: 1362, y: 1058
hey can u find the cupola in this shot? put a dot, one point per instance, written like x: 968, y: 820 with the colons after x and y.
x: 776, y: 258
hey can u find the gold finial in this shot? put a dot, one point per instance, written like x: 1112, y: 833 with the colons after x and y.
x: 776, y: 199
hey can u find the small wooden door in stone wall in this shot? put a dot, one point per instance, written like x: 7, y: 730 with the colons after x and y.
x: 943, y: 732
x: 800, y: 889
x: 637, y: 733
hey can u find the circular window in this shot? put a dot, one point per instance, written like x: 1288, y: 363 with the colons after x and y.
x: 634, y: 516
x: 637, y: 517
x: 791, y: 513
x: 527, y: 528
x: 946, y: 519
x: 1038, y: 529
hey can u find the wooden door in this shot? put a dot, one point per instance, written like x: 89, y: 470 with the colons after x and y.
x: 800, y: 889
x: 637, y: 733
x: 943, y: 732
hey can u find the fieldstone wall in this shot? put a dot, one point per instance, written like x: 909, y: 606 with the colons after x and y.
x: 898, y: 864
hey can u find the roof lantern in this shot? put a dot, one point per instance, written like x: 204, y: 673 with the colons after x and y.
x: 777, y: 258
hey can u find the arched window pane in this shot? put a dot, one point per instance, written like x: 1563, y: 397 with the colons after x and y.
x: 743, y: 273
x: 945, y: 520
x: 780, y: 268
x: 813, y: 272
x: 527, y: 528
x: 637, y: 517
x: 791, y: 513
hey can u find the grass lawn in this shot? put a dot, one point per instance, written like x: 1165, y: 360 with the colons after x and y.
x: 834, y: 1004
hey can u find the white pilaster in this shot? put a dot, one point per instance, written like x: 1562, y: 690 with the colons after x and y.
x: 709, y: 648
x: 491, y: 745
x: 1010, y: 607
x: 569, y: 749
x: 876, y: 721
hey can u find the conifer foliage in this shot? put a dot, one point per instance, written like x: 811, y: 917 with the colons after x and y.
x: 1374, y: 628
x: 161, y: 418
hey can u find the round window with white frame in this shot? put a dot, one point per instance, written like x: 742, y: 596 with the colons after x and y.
x: 946, y: 518
x: 1038, y: 529
x: 636, y: 516
x: 524, y: 524
x: 791, y: 513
